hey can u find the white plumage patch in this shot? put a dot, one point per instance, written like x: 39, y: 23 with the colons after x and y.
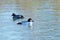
x: 30, y: 24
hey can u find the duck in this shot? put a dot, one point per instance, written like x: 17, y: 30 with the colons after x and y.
x: 29, y: 21
x: 15, y: 17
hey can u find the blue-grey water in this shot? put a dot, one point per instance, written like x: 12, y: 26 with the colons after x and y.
x: 46, y: 25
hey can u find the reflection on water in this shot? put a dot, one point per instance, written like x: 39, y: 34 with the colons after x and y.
x: 46, y: 16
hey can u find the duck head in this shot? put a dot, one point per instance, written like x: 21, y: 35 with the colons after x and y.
x: 13, y: 14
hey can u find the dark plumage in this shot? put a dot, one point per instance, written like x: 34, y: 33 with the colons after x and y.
x: 15, y: 17
x: 29, y: 19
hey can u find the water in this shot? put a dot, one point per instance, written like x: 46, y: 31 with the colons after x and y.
x: 46, y: 25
